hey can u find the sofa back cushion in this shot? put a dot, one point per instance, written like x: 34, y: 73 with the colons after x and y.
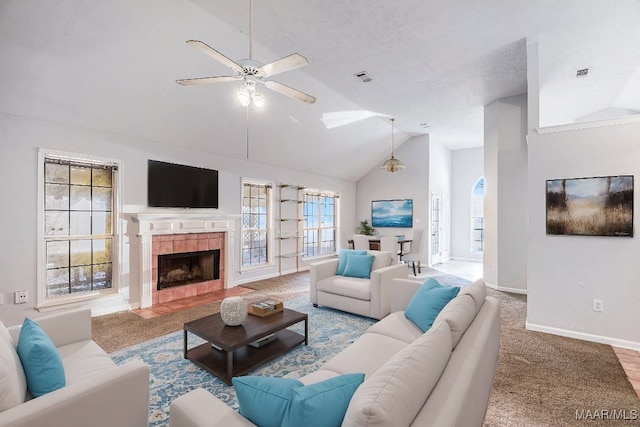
x: 477, y: 290
x: 396, y: 392
x: 381, y: 259
x: 458, y: 313
x: 13, y: 383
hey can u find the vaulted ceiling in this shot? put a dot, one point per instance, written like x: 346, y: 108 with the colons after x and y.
x: 111, y: 66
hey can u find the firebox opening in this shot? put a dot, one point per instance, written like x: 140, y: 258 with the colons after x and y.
x: 188, y: 268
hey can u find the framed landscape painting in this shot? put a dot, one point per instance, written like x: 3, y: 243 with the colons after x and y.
x: 600, y: 206
x: 392, y: 213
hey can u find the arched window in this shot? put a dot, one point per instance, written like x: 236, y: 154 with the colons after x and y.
x: 477, y: 216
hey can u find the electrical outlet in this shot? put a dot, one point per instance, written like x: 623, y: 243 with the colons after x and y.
x: 598, y: 305
x: 20, y: 297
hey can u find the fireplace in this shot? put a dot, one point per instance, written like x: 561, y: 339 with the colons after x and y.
x: 183, y: 234
x: 188, y: 268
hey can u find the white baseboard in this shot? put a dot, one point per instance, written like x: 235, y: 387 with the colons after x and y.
x: 459, y: 258
x: 584, y: 336
x: 251, y: 279
x: 505, y: 289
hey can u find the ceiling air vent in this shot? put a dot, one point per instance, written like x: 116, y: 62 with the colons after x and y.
x: 363, y: 76
x: 424, y: 125
x: 582, y: 73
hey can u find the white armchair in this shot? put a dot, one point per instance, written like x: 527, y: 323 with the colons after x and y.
x: 98, y: 393
x: 366, y: 297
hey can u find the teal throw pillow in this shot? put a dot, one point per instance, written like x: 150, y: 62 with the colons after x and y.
x: 427, y: 303
x: 358, y: 266
x: 40, y: 360
x: 322, y: 404
x: 430, y: 283
x: 342, y: 259
x: 264, y: 400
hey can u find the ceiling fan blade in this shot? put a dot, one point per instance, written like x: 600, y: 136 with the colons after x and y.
x: 288, y: 63
x: 216, y: 55
x: 290, y: 92
x: 207, y: 80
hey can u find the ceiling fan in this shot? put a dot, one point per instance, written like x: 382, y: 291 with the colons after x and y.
x: 252, y: 72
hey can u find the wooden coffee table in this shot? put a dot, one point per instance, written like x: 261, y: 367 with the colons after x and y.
x: 227, y: 352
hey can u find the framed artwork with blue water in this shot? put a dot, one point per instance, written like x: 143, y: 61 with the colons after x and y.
x: 392, y: 213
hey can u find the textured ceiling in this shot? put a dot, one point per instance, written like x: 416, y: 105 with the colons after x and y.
x: 111, y: 66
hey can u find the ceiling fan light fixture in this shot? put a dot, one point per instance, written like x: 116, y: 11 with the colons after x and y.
x: 244, y: 97
x: 392, y: 164
x: 258, y: 99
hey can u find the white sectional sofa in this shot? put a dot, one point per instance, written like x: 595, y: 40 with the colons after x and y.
x: 98, y: 393
x: 366, y: 297
x: 440, y: 378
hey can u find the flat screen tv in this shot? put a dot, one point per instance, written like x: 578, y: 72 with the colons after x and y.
x: 179, y: 186
x: 392, y: 213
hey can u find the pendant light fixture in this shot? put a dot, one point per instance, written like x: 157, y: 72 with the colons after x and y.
x: 392, y: 164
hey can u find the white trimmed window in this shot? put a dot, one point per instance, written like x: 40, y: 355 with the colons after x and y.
x: 320, y: 213
x: 256, y: 224
x: 77, y: 227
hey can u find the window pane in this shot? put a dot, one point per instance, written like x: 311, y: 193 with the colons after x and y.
x: 80, y: 198
x: 56, y: 223
x: 102, y: 177
x: 102, y: 276
x: 101, y: 251
x: 101, y: 199
x: 57, y: 254
x: 81, y: 175
x: 80, y: 223
x: 56, y: 173
x: 56, y: 197
x: 80, y: 278
x: 80, y: 252
x: 57, y: 282
x: 101, y: 223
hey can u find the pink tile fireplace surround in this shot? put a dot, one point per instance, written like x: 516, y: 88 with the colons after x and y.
x: 179, y: 232
x: 182, y: 243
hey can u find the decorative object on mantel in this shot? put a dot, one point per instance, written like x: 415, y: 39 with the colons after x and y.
x: 366, y: 229
x: 599, y: 206
x: 392, y: 164
x: 233, y: 311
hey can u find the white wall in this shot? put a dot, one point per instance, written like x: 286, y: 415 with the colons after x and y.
x: 566, y: 273
x: 505, y: 164
x: 19, y: 141
x: 467, y: 166
x: 411, y: 183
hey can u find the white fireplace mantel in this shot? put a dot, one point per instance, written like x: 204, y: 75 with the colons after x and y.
x: 150, y: 224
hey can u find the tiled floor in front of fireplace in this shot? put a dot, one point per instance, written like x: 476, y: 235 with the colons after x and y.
x: 189, y: 302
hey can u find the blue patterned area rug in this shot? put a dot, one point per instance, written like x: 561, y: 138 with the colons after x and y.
x: 171, y: 375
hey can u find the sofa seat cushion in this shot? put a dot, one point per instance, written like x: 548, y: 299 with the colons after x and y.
x: 351, y: 287
x: 396, y: 325
x: 394, y: 395
x: 13, y: 383
x: 367, y: 354
x: 84, y: 359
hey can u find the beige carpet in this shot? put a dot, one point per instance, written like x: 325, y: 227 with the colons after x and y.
x: 541, y: 380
